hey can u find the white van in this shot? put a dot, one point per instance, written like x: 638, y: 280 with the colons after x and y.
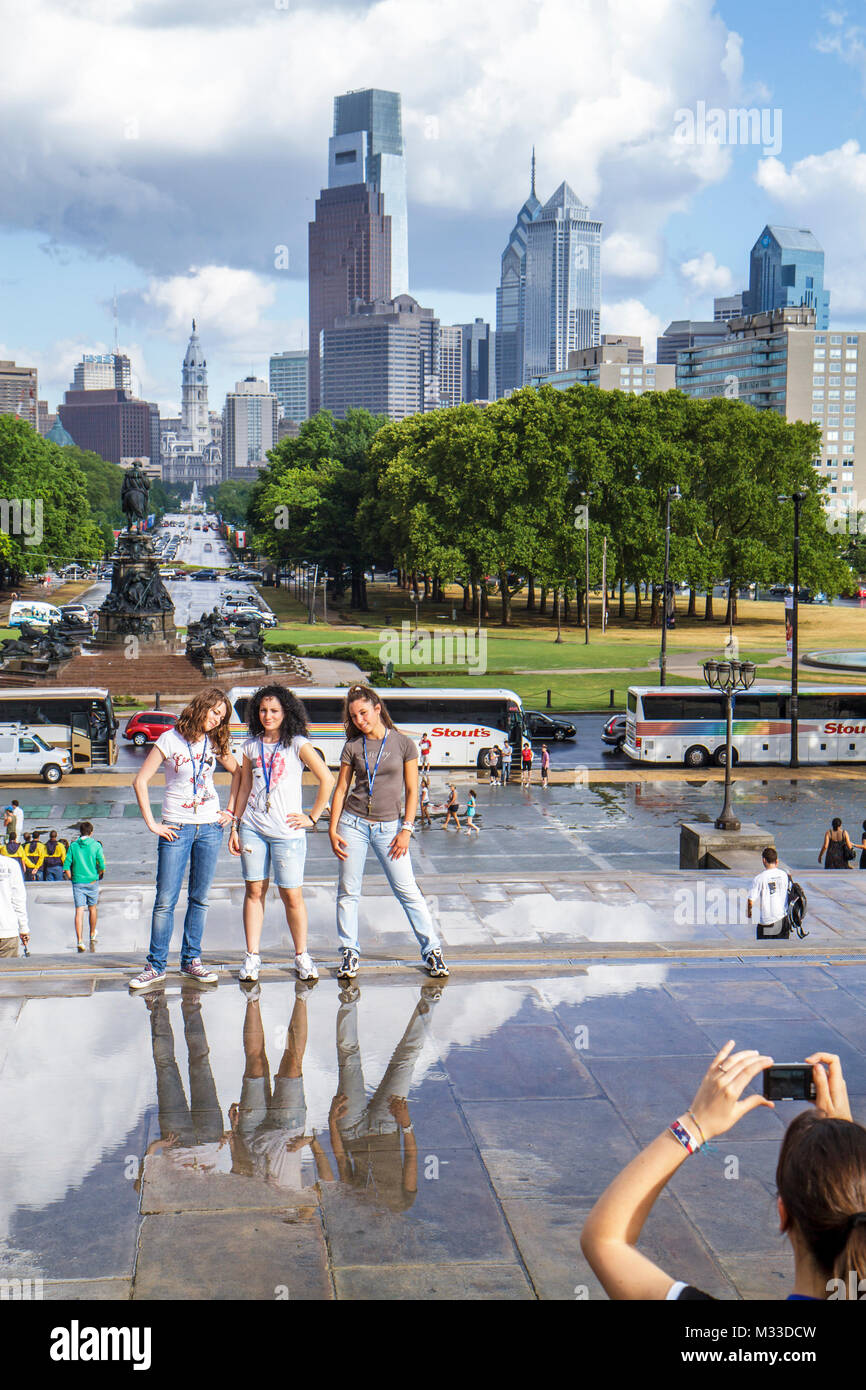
x: 32, y: 611
x: 24, y: 753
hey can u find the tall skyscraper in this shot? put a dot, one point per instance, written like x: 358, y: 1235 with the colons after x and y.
x: 109, y: 371
x: 510, y: 298
x: 249, y: 428
x: 382, y: 357
x: 188, y: 450
x: 289, y: 377
x: 786, y: 269
x: 367, y: 147
x: 19, y: 392
x: 450, y: 365
x: 479, y: 371
x: 562, y: 308
x: 349, y: 259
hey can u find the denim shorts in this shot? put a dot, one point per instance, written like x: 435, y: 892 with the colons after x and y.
x: 262, y: 857
x: 85, y: 894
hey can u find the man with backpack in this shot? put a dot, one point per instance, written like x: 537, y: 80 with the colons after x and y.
x: 772, y: 896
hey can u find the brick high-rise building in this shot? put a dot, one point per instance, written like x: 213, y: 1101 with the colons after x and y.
x: 110, y: 423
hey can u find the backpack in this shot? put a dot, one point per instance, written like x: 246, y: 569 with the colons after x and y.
x: 795, y: 908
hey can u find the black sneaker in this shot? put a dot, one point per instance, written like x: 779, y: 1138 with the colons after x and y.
x: 349, y: 962
x: 436, y: 965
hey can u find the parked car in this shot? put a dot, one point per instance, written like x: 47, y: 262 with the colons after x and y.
x: 208, y: 575
x: 75, y: 610
x: 23, y: 753
x: 238, y: 613
x: 780, y: 590
x: 147, y: 725
x: 613, y: 733
x: 541, y: 728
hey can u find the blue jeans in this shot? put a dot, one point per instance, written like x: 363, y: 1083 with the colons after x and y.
x: 359, y: 835
x: 197, y: 846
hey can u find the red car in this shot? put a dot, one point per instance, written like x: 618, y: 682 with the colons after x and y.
x: 147, y: 725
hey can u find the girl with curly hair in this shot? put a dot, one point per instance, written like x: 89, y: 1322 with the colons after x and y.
x: 270, y: 823
x: 191, y: 831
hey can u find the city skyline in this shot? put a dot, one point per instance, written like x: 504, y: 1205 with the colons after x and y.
x: 678, y: 221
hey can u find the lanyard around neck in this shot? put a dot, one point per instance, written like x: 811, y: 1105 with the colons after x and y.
x: 371, y: 779
x: 197, y: 772
x: 267, y: 767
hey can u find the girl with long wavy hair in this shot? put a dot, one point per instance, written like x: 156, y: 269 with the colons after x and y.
x: 384, y: 765
x: 270, y: 827
x: 191, y: 831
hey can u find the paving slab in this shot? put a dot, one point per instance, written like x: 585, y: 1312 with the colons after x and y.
x: 435, y: 1283
x: 232, y: 1256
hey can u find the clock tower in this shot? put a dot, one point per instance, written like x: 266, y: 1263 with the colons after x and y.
x: 194, y: 416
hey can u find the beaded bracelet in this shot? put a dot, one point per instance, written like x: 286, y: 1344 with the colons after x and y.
x: 683, y: 1137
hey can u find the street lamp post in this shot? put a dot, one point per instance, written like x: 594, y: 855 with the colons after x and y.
x: 794, y: 759
x: 673, y: 493
x: 729, y: 676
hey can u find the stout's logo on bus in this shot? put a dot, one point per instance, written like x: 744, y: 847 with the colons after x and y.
x: 440, y: 732
x: 845, y: 728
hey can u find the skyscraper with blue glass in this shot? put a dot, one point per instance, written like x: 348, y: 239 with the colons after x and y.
x: 367, y: 147
x: 510, y: 299
x: 786, y: 269
x: 562, y: 300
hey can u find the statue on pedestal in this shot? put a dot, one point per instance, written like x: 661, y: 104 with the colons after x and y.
x: 133, y: 494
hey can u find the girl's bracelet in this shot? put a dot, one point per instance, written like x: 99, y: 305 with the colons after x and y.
x: 682, y: 1136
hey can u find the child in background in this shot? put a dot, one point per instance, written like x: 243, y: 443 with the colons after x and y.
x: 470, y: 814
x: 425, y: 802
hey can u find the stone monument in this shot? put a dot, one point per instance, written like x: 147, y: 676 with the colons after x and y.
x: 139, y: 604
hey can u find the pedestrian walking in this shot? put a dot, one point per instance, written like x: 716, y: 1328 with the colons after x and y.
x: 425, y: 802
x: 470, y: 814
x: 451, y: 808
x: 84, y: 866
x: 425, y: 746
x: 52, y: 864
x: 837, y: 850
x: 384, y: 764
x: 526, y: 765
x: 191, y: 831
x: 269, y: 831
x: 768, y: 898
x: 13, y: 909
x: 494, y: 764
x: 545, y: 765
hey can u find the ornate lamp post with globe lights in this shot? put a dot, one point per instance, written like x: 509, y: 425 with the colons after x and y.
x: 728, y: 676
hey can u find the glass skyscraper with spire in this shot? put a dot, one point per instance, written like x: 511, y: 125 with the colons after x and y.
x: 510, y: 298
x: 562, y: 296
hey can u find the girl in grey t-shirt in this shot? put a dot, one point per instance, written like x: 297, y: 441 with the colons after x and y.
x: 378, y: 774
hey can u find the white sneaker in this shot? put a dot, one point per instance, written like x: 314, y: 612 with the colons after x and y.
x: 305, y: 967
x: 251, y: 966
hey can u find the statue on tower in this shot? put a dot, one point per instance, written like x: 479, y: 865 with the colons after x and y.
x: 133, y: 494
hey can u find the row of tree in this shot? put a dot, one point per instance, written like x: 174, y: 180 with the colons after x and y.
x: 507, y: 491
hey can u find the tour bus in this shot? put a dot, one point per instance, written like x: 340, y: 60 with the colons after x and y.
x: 686, y: 724
x: 77, y: 718
x: 462, y: 725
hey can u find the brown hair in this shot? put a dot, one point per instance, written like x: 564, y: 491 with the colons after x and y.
x: 770, y: 856
x: 190, y: 724
x: 363, y: 692
x: 821, y: 1178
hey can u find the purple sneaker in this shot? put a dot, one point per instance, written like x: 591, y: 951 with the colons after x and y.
x: 148, y: 977
x: 196, y: 971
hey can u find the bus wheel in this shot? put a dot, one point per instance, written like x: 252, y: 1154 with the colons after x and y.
x: 51, y: 773
x: 696, y: 756
x: 720, y: 757
x: 484, y: 758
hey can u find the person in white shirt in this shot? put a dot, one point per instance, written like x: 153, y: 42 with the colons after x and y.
x: 269, y: 831
x: 190, y: 835
x: 768, y: 897
x: 13, y: 907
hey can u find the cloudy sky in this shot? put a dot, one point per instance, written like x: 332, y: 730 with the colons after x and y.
x: 163, y: 151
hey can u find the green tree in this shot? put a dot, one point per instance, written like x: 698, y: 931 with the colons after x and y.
x: 46, y: 513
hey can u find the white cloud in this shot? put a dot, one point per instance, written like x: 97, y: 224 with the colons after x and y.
x: 629, y: 256
x: 632, y: 317
x: 704, y: 275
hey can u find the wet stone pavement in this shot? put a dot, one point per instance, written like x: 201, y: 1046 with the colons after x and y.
x: 220, y: 1144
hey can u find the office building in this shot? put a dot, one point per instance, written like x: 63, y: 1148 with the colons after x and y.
x: 367, y: 147
x: 19, y: 392
x: 688, y: 333
x: 289, y: 379
x: 510, y: 299
x: 382, y: 357
x: 479, y: 361
x: 615, y: 365
x: 349, y: 259
x: 451, y: 365
x: 249, y: 428
x: 109, y: 371
x: 786, y: 269
x: 562, y: 309
x: 728, y: 306
x: 111, y: 423
x: 780, y: 361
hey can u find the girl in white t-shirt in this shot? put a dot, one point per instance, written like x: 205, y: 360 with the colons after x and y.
x: 191, y: 831
x: 270, y: 824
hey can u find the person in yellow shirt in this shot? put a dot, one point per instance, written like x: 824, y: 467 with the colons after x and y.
x: 52, y: 864
x: 13, y: 849
x: 33, y: 855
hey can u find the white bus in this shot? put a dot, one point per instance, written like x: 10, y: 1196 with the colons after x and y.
x: 78, y: 718
x: 462, y: 725
x: 686, y: 724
